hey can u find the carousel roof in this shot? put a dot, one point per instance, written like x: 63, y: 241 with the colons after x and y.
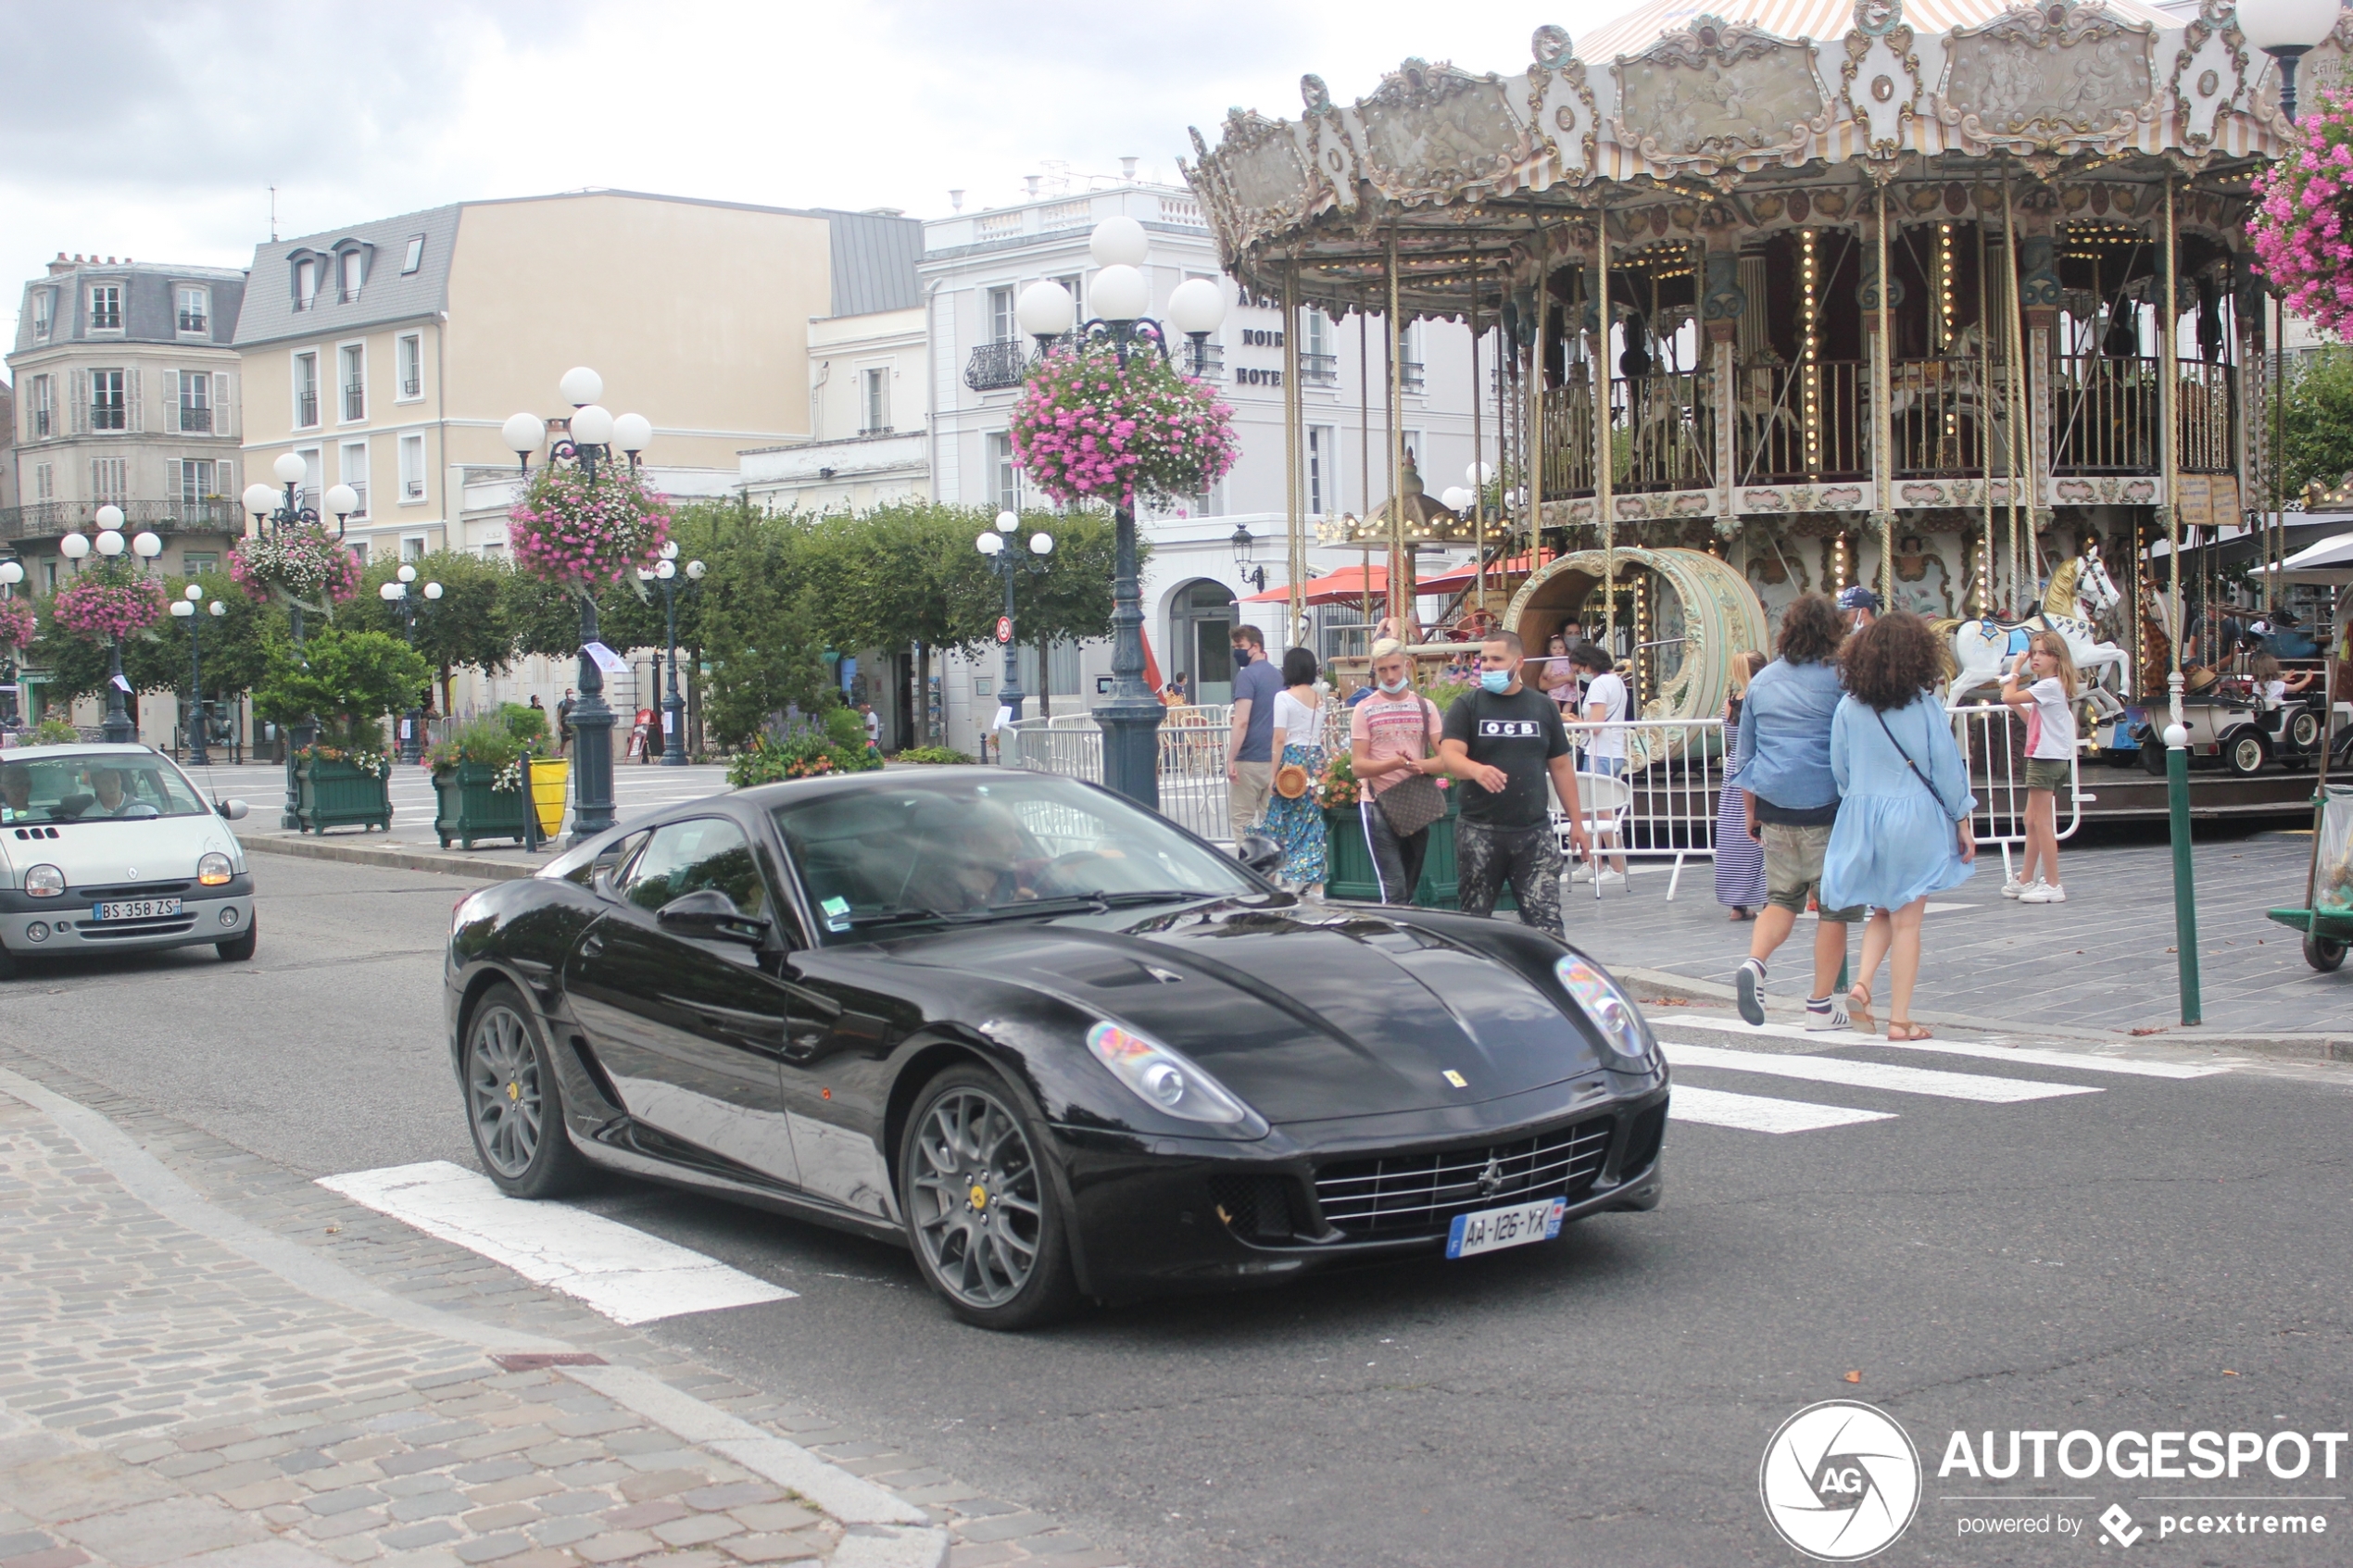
x: 1706, y: 110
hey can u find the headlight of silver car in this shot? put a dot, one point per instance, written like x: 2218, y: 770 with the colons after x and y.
x: 1623, y: 1032
x: 213, y: 870
x: 45, y: 882
x: 1167, y: 1081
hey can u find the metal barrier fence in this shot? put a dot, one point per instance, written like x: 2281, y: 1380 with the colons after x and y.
x: 1192, y: 761
x: 1993, y: 742
x: 1665, y: 808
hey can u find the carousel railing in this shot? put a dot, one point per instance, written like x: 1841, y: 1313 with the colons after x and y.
x: 1936, y: 407
x: 1568, y: 442
x: 1802, y: 422
x: 1663, y: 432
x: 2205, y: 407
x: 2103, y: 414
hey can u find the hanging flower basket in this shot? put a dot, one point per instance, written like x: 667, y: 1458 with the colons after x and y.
x: 19, y: 624
x: 99, y: 611
x: 587, y: 533
x: 304, y: 565
x: 2303, y: 226
x: 1088, y: 428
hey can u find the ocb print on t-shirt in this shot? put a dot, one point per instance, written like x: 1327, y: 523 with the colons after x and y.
x: 1509, y: 728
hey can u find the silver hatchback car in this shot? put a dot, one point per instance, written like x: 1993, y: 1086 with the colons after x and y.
x: 111, y: 849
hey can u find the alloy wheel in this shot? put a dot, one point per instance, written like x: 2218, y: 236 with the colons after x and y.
x: 978, y: 1207
x: 503, y: 1090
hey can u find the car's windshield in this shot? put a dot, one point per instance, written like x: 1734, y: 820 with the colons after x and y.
x: 962, y: 847
x: 87, y: 786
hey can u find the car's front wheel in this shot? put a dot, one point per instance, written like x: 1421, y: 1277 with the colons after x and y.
x: 988, y: 1226
x: 514, y: 1106
x: 237, y: 949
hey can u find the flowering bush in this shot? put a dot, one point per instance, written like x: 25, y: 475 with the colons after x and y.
x: 19, y: 625
x: 488, y: 740
x: 375, y: 763
x: 98, y: 611
x: 807, y: 754
x: 568, y: 529
x: 1088, y: 428
x: 1339, y: 789
x: 304, y: 562
x: 2303, y: 227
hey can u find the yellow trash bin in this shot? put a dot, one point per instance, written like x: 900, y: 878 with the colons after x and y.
x: 549, y: 777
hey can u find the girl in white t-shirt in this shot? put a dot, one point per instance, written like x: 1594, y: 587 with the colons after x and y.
x: 2047, y: 699
x: 2271, y: 686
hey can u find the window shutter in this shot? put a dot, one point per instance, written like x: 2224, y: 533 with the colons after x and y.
x: 136, y: 420
x: 225, y: 407
x: 172, y: 401
x: 79, y: 386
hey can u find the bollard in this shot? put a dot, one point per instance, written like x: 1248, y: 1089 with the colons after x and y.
x: 2177, y: 794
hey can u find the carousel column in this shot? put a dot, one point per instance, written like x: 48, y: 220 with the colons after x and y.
x: 1402, y: 596
x: 1605, y: 503
x: 2251, y: 449
x: 1722, y: 310
x: 2038, y: 298
x: 1882, y: 329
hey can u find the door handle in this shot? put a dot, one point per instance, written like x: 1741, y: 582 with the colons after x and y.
x: 592, y: 946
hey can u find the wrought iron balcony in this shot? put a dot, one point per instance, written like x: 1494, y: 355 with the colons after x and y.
x: 195, y: 418
x: 1410, y: 377
x: 994, y: 366
x: 355, y: 402
x: 47, y: 520
x: 1320, y: 370
x: 1213, y: 359
x: 107, y: 416
x: 307, y: 410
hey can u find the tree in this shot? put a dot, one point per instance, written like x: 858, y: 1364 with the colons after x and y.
x: 234, y: 645
x: 468, y: 626
x: 354, y: 677
x: 905, y: 576
x: 2317, y: 418
x: 757, y: 622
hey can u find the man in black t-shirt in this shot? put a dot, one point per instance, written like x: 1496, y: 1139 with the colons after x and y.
x: 1503, y: 738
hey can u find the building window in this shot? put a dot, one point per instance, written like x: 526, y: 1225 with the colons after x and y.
x: 1410, y: 375
x: 354, y: 274
x: 1004, y: 480
x: 49, y: 575
x: 108, y: 408
x: 1321, y: 444
x: 306, y: 389
x: 874, y: 401
x: 355, y: 473
x: 314, y: 483
x: 196, y: 400
x: 110, y: 480
x: 409, y: 356
x: 1003, y: 326
x: 45, y: 481
x: 360, y: 549
x: 196, y: 483
x: 415, y: 255
x: 1076, y: 284
x: 45, y: 306
x: 306, y: 282
x: 412, y: 546
x: 353, y: 359
x: 106, y: 308
x: 195, y: 309
x: 194, y: 561
x: 412, y: 468
x: 42, y: 399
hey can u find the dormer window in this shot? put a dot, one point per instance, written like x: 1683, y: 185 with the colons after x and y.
x: 353, y: 265
x: 195, y: 309
x: 306, y: 282
x: 415, y: 255
x: 45, y: 306
x: 106, y: 308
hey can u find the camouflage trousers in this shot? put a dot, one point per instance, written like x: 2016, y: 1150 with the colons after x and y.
x: 1529, y: 858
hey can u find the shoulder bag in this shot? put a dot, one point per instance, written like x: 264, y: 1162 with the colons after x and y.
x: 1416, y: 802
x: 1914, y: 767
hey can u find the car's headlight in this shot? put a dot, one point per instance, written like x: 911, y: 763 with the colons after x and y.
x: 1165, y: 1079
x: 213, y: 870
x: 45, y: 882
x: 1623, y: 1032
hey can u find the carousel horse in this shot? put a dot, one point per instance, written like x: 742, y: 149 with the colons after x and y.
x: 2081, y: 592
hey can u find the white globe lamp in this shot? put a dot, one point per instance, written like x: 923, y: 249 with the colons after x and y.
x: 1118, y: 241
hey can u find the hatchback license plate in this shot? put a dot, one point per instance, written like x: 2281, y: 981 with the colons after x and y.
x: 1491, y: 1230
x: 136, y: 908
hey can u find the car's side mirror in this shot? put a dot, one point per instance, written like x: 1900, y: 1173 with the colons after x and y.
x: 711, y: 914
x: 1259, y: 852
x: 234, y: 810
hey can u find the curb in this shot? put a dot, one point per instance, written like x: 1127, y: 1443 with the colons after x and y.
x: 391, y: 857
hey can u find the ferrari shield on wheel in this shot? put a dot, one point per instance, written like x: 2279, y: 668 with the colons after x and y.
x: 514, y: 1107
x: 980, y: 1210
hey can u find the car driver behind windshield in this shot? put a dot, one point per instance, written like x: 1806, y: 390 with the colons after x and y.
x: 114, y: 795
x: 15, y: 791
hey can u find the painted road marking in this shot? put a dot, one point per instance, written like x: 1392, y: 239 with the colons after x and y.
x: 1757, y: 1113
x: 1874, y: 1075
x: 2088, y: 1061
x: 621, y: 1272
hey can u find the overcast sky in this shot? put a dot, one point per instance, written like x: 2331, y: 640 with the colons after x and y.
x: 156, y: 131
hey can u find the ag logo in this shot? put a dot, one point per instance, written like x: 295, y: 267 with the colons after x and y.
x: 1841, y: 1481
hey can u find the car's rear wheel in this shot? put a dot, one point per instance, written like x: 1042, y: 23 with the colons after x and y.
x: 514, y: 1105
x: 237, y: 949
x: 989, y: 1230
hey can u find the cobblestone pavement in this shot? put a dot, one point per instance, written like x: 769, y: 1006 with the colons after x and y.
x: 2104, y: 959
x: 167, y: 1398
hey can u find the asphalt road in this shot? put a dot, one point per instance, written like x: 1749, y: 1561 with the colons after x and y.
x: 2158, y: 1256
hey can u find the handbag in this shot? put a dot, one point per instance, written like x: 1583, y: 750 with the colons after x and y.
x: 1290, y: 780
x: 1414, y: 802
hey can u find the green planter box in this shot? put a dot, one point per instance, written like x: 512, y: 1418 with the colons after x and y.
x: 1351, y: 876
x: 337, y: 795
x: 467, y: 808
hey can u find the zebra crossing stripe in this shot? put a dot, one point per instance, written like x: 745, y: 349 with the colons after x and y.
x: 1873, y: 1075
x: 2088, y: 1061
x: 1757, y: 1113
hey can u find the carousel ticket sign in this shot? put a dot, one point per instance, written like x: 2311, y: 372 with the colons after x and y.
x: 1720, y: 95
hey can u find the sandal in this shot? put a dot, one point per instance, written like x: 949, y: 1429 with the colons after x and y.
x: 1739, y: 912
x: 1903, y: 1030
x: 1859, y: 1011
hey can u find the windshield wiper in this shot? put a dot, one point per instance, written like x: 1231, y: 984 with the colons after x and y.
x: 897, y: 916
x: 1083, y: 903
x: 1154, y: 896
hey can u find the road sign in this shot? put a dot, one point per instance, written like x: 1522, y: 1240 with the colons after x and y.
x: 1004, y: 628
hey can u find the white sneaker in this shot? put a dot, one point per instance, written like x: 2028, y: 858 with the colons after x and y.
x: 1584, y: 871
x: 2013, y: 888
x: 2044, y: 893
x: 1835, y: 1018
x: 1610, y: 879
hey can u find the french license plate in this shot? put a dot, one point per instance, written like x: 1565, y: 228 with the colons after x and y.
x: 136, y: 908
x: 1491, y: 1230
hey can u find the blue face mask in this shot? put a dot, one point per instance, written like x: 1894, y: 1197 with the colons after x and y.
x: 1393, y: 687
x: 1495, y: 681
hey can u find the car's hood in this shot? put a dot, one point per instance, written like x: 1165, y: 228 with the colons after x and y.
x: 108, y: 851
x: 1327, y: 1016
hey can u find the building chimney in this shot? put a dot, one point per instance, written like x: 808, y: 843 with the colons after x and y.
x: 1127, y: 169
x: 956, y: 201
x: 60, y: 265
x: 1031, y: 181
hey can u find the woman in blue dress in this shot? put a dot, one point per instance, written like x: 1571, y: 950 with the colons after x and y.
x: 1903, y: 829
x: 1296, y: 821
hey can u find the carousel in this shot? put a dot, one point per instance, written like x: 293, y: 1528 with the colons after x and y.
x: 1954, y: 301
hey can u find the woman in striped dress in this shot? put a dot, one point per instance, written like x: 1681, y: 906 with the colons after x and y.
x: 1739, y: 860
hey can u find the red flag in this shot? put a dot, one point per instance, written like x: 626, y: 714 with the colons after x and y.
x: 1152, y: 665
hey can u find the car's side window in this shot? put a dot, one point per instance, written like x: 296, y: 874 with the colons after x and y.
x: 682, y: 858
x: 615, y: 856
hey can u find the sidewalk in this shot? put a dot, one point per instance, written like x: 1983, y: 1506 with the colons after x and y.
x: 181, y: 1386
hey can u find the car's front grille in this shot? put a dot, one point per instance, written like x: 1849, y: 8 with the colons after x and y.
x: 1407, y: 1194
x: 129, y: 890
x: 116, y: 929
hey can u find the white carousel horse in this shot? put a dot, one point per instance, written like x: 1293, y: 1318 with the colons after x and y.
x: 2081, y: 592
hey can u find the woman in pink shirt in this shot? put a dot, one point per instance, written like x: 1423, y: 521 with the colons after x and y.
x: 1392, y: 735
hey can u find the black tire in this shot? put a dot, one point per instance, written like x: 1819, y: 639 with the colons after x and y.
x: 7, y: 964
x: 2303, y: 733
x: 978, y: 1200
x: 2246, y: 754
x: 2321, y: 953
x: 240, y: 949
x: 514, y: 1101
x: 2152, y: 757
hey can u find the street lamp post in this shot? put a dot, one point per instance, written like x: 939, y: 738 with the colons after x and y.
x: 119, y: 729
x: 395, y: 594
x: 1131, y: 716
x: 275, y: 513
x: 185, y: 608
x: 2288, y: 31
x: 663, y: 574
x: 1007, y: 563
x: 592, y: 437
x: 11, y: 707
x: 1250, y: 574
